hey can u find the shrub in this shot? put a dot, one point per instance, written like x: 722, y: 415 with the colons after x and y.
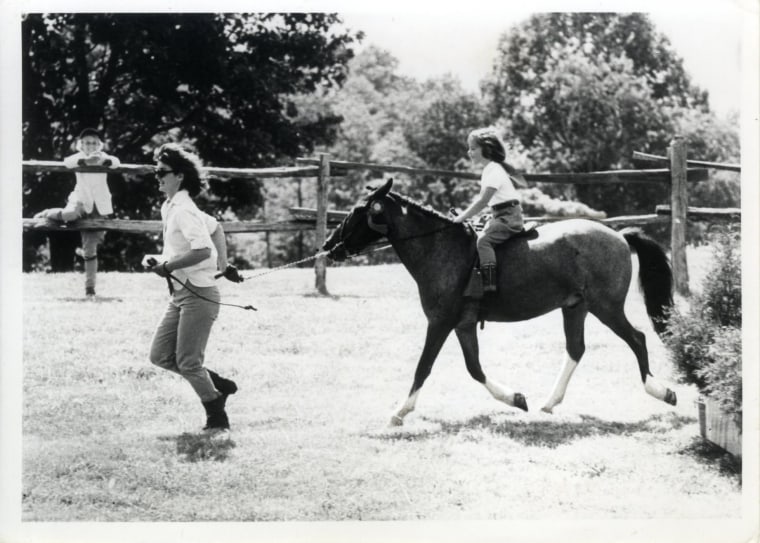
x: 723, y: 375
x: 722, y: 292
x: 705, y: 340
x: 688, y: 337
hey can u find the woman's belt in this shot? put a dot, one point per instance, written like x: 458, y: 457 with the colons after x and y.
x: 505, y: 205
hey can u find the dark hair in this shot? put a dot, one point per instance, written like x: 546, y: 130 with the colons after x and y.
x: 184, y: 162
x: 491, y: 147
x: 89, y: 132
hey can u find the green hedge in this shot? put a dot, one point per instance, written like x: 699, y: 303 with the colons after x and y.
x: 705, y: 341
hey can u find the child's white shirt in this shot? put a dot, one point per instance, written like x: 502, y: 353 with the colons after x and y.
x: 91, y: 188
x: 495, y: 177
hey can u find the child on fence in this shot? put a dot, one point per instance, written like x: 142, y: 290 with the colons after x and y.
x: 497, y: 190
x: 90, y: 199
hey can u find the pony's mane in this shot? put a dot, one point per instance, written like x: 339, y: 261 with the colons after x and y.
x: 424, y: 208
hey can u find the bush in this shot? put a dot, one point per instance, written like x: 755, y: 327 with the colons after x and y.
x: 723, y: 375
x: 722, y: 292
x: 705, y: 340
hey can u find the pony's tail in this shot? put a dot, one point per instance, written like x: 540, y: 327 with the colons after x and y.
x: 655, y: 276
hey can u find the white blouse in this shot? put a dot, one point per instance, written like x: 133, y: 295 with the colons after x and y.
x: 186, y: 227
x: 91, y: 188
x: 494, y: 176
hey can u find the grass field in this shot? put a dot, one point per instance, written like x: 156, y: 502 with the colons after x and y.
x: 108, y: 437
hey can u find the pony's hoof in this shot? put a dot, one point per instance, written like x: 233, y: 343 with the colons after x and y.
x: 396, y: 421
x: 670, y: 397
x: 549, y: 410
x: 520, y: 402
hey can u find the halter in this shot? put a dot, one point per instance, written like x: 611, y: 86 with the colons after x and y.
x: 377, y: 208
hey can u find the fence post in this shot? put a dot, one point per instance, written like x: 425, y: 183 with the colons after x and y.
x: 679, y: 197
x: 320, y: 266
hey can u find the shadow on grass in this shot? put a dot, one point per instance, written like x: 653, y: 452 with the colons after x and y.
x: 94, y: 299
x: 709, y: 454
x: 202, y: 446
x: 339, y: 297
x: 548, y: 433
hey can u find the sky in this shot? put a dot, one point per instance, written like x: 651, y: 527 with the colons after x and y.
x: 464, y: 42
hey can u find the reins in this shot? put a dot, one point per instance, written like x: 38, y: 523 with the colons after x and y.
x: 407, y: 238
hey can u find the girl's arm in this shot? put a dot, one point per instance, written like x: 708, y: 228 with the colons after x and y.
x: 110, y: 161
x: 478, y: 205
x: 72, y: 161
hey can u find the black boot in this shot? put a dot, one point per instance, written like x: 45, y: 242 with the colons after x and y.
x: 216, y: 416
x: 489, y: 277
x: 225, y: 386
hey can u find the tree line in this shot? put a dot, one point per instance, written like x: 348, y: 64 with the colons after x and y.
x: 571, y: 92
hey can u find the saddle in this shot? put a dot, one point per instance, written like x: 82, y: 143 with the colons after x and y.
x: 474, y: 288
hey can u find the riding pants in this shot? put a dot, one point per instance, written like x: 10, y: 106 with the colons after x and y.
x: 179, y: 342
x: 504, y: 224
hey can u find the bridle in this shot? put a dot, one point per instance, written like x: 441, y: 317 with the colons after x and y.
x: 376, y: 209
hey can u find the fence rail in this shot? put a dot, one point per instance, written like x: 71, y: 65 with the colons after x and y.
x: 678, y: 175
x: 705, y: 213
x: 661, y: 215
x: 153, y: 227
x: 138, y: 169
x: 660, y: 175
x: 304, y: 218
x: 701, y: 163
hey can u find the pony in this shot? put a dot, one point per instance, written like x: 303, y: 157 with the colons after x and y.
x: 576, y: 265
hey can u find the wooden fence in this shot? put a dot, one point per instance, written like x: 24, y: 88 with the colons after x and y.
x: 678, y: 175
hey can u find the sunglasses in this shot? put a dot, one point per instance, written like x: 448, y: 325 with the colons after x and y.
x: 160, y: 174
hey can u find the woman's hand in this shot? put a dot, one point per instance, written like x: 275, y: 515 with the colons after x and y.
x: 160, y: 269
x: 231, y: 273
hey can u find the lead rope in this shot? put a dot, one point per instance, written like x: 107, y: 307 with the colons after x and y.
x: 308, y: 259
x: 288, y: 265
x: 296, y: 263
x: 201, y: 296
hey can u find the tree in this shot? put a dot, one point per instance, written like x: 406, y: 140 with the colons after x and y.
x: 581, y: 91
x: 526, y: 53
x: 373, y: 105
x: 222, y: 83
x: 438, y: 135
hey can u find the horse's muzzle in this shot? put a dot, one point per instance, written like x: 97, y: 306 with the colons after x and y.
x: 338, y: 253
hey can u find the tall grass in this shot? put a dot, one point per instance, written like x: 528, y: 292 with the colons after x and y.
x: 106, y: 436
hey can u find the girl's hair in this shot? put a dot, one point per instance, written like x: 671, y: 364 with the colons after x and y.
x: 492, y: 147
x: 88, y: 132
x: 184, y: 162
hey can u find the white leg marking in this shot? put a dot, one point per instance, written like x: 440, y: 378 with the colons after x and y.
x: 500, y: 392
x: 406, y: 408
x: 560, y: 385
x: 655, y: 389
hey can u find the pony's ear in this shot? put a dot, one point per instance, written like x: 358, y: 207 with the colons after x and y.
x: 382, y: 190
